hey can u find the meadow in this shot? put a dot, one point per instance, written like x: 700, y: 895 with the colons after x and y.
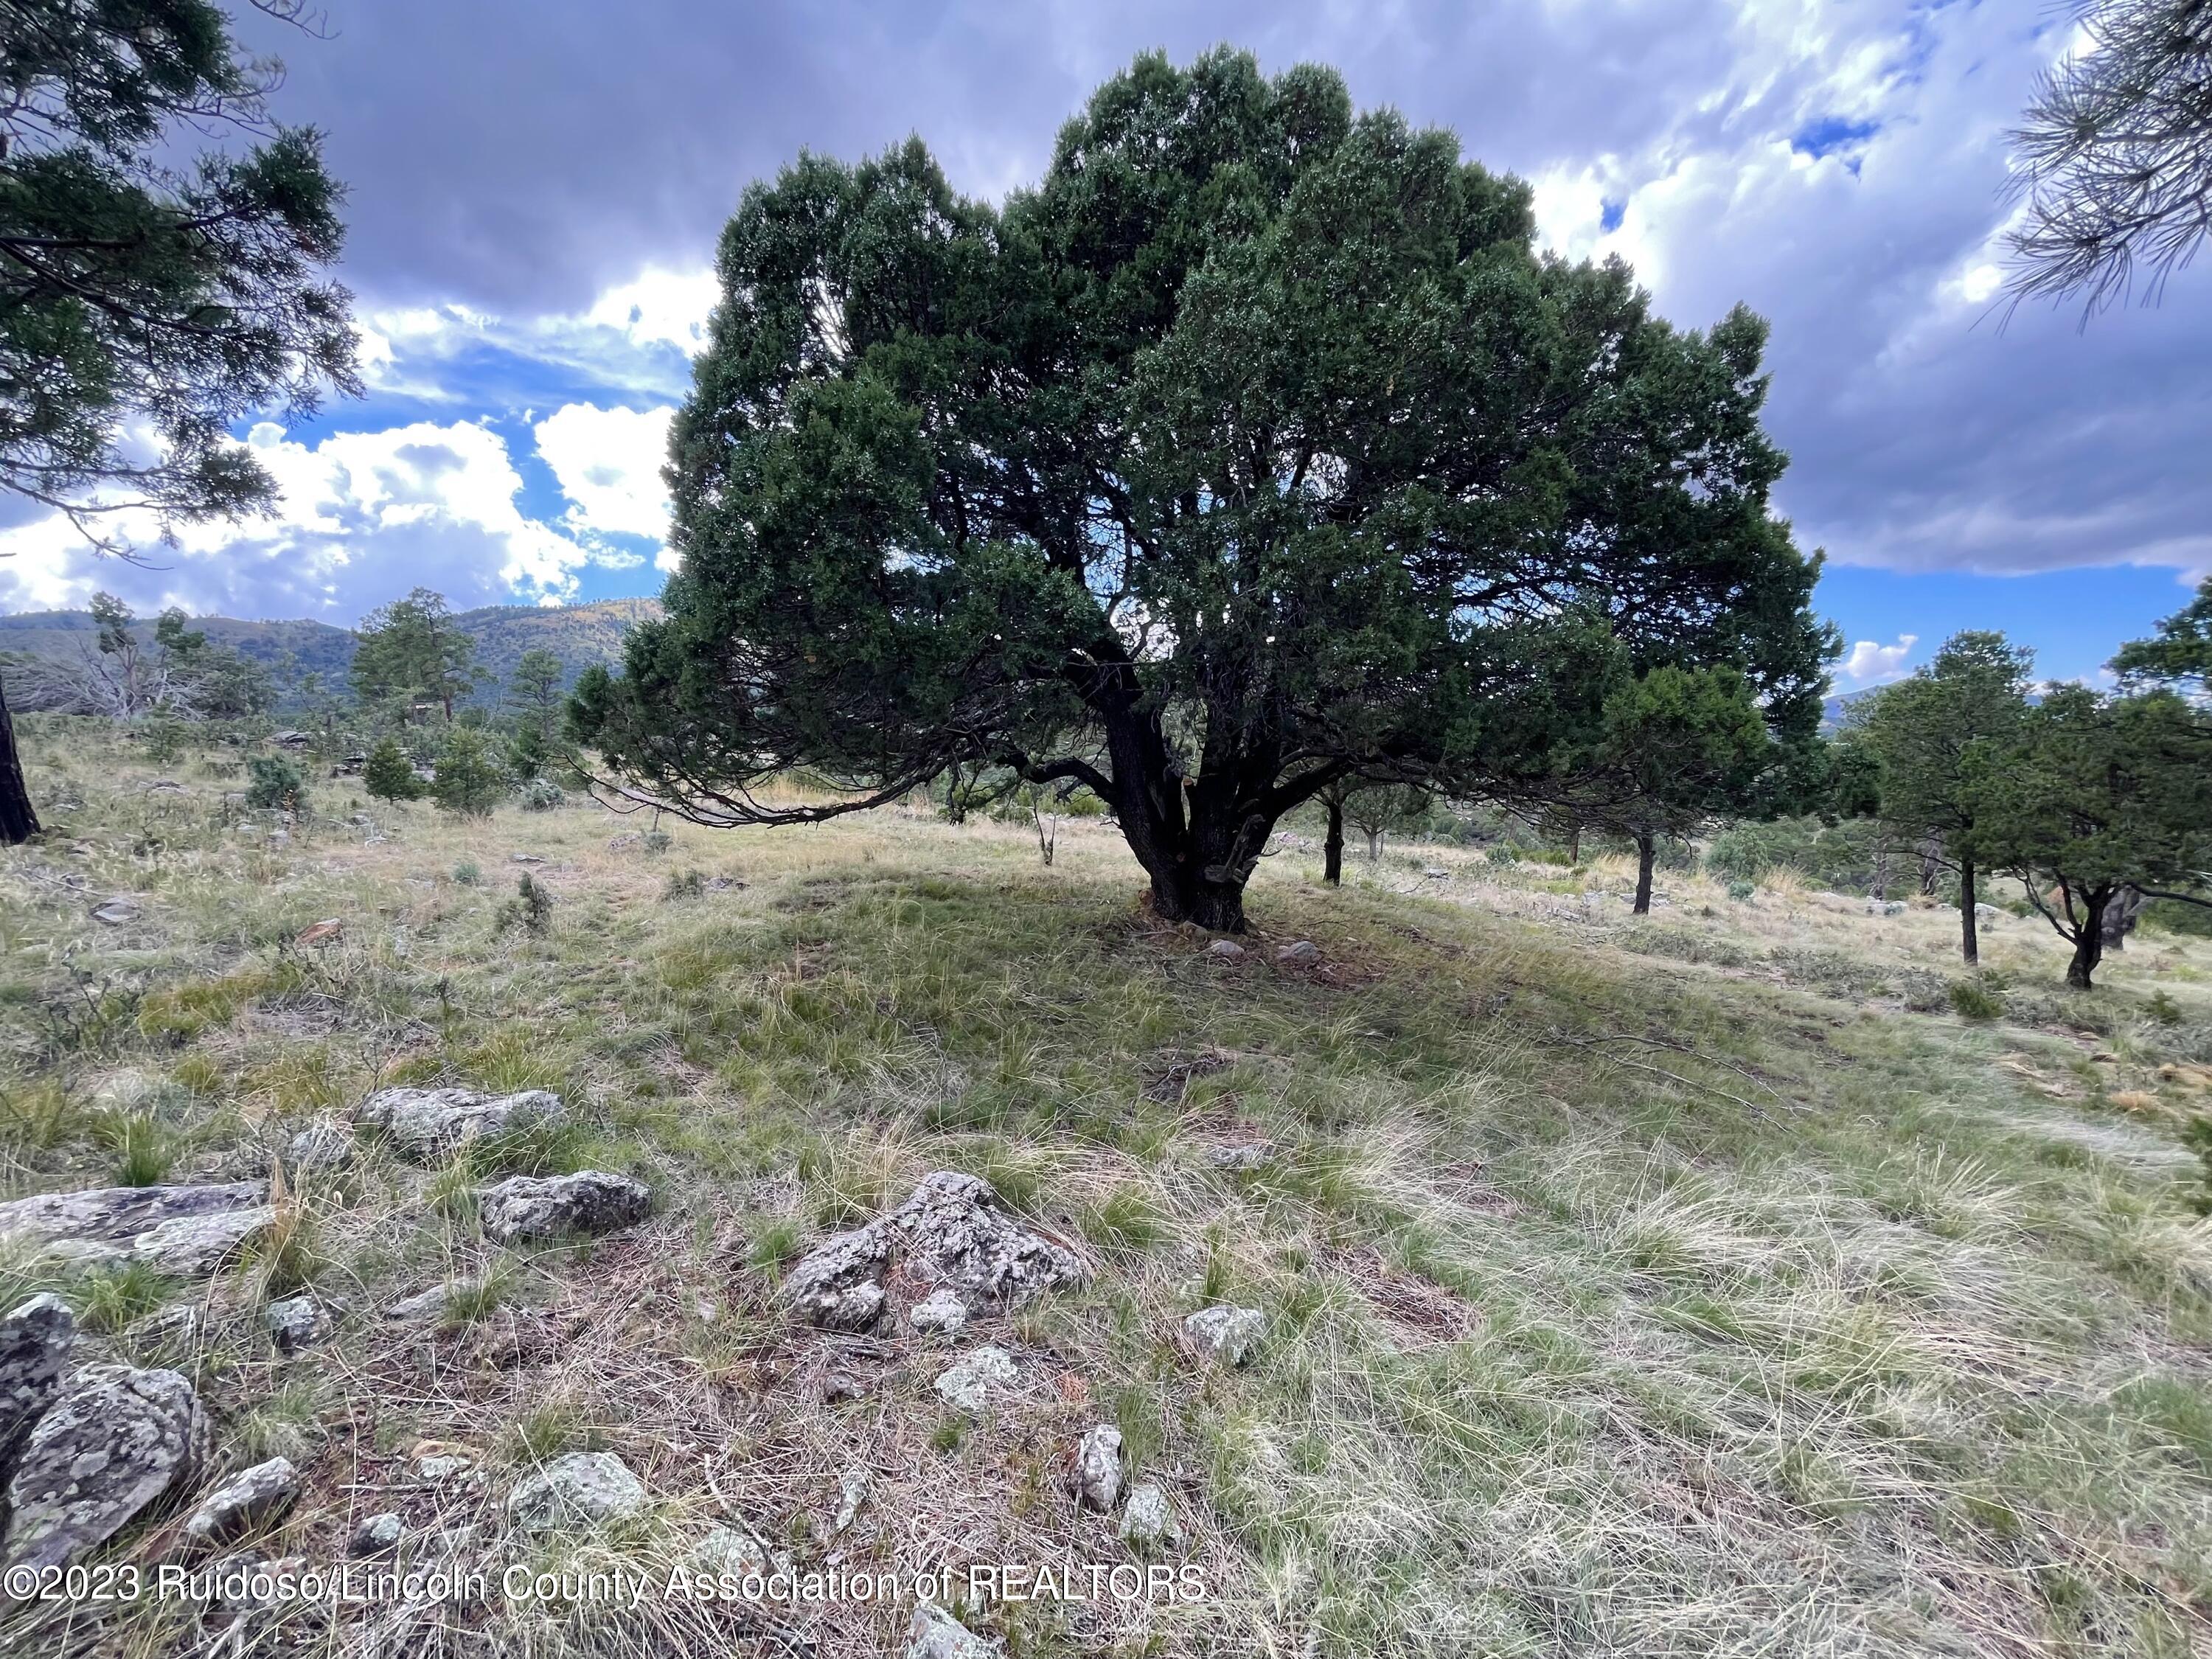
x: 1746, y: 1279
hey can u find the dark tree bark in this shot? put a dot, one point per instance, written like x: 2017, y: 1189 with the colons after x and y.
x: 2089, y: 940
x: 1970, y: 945
x: 1574, y: 845
x: 1881, y: 870
x: 2121, y: 916
x: 18, y: 823
x: 1929, y: 869
x: 1647, y: 852
x: 1332, y: 850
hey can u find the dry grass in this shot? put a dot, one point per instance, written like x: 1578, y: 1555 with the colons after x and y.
x: 1694, y: 1284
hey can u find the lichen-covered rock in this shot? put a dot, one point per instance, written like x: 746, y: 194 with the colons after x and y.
x: 952, y: 1233
x: 852, y: 1488
x: 1149, y: 1524
x: 35, y: 1340
x: 246, y: 1500
x: 584, y: 1489
x: 119, y: 1215
x: 377, y: 1534
x: 941, y: 1313
x: 321, y: 1148
x: 1226, y: 1334
x: 297, y: 1322
x: 936, y: 1634
x: 735, y: 1552
x: 550, y: 1206
x: 1299, y: 951
x: 1225, y: 949
x: 115, y: 1441
x: 968, y: 1384
x: 1098, y: 1466
x: 193, y: 1247
x: 429, y: 1123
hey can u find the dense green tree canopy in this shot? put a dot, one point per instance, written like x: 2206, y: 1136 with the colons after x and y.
x: 2095, y: 794
x: 1933, y: 738
x: 2179, y: 655
x: 1253, y: 448
x: 412, y: 650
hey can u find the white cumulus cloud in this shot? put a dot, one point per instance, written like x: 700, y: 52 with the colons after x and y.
x: 608, y: 462
x: 360, y: 518
x: 1869, y: 663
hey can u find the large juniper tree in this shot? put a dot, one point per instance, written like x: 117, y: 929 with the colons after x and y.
x: 148, y: 300
x: 1253, y: 449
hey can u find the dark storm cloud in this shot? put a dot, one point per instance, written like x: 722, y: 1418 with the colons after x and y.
x: 519, y: 172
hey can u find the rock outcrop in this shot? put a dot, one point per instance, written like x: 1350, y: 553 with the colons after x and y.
x: 116, y: 1440
x: 1149, y: 1524
x: 936, y: 1634
x: 186, y: 1230
x: 952, y: 1234
x: 550, y: 1206
x: 35, y: 1340
x: 427, y: 1124
x: 967, y: 1386
x: 584, y: 1489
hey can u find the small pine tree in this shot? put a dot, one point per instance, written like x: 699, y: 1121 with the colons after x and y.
x: 388, y: 775
x: 274, y: 781
x: 469, y: 780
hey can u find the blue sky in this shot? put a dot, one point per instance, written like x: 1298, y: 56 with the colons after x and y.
x: 536, y: 191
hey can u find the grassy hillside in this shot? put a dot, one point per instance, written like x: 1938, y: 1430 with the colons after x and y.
x: 580, y: 634
x: 1699, y: 1285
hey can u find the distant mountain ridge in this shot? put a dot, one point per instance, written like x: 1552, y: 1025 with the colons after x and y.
x: 580, y: 635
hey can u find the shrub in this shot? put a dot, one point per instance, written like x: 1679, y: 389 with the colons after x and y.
x: 275, y: 782
x: 1973, y: 1000
x: 530, y: 909
x: 389, y: 776
x: 165, y: 740
x: 1741, y: 891
x: 688, y: 885
x: 466, y: 872
x: 468, y: 779
x: 539, y: 794
x: 657, y: 841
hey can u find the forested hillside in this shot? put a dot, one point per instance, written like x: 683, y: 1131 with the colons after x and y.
x: 579, y: 636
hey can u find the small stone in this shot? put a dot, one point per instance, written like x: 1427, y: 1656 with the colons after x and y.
x: 244, y: 1502
x: 1225, y: 949
x: 852, y: 1491
x: 1226, y: 1334
x: 966, y: 1384
x: 427, y: 1304
x: 525, y: 858
x: 936, y: 1634
x: 116, y: 1440
x: 732, y: 1553
x: 2104, y: 1057
x: 583, y: 1489
x: 1098, y: 1466
x: 113, y: 913
x: 941, y: 1311
x: 321, y: 1147
x: 1436, y: 873
x: 376, y: 1535
x: 438, y: 1467
x: 1149, y: 1523
x: 297, y: 1322
x: 329, y: 931
x: 35, y: 1339
x: 1304, y: 950
x: 552, y: 1206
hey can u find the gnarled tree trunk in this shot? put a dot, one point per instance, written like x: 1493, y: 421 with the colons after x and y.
x: 18, y: 823
x: 2121, y: 916
x: 1647, y: 854
x: 1970, y: 945
x: 1332, y: 850
x: 2089, y: 940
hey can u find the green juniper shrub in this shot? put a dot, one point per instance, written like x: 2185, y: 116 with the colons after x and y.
x: 389, y: 776
x: 275, y: 782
